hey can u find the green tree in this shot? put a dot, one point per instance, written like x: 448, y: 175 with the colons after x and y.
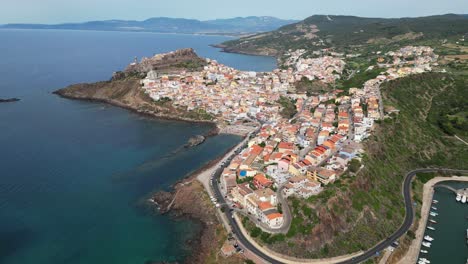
x: 354, y: 165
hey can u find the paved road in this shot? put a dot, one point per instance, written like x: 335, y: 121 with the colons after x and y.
x: 287, y: 215
x: 409, y: 217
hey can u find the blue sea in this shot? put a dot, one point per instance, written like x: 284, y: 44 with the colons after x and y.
x: 73, y: 173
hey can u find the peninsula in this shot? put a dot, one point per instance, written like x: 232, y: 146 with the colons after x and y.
x: 124, y: 89
x: 328, y: 137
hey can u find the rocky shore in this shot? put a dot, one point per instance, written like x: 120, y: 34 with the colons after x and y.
x: 155, y: 111
x: 189, y: 200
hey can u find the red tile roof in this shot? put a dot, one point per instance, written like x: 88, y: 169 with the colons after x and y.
x: 256, y: 150
x: 265, y: 206
x: 262, y: 180
x: 285, y: 145
x: 274, y: 216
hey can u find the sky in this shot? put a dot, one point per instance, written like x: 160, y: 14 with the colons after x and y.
x: 60, y: 11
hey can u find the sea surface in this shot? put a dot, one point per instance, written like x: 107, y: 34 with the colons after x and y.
x: 73, y: 174
x: 450, y: 243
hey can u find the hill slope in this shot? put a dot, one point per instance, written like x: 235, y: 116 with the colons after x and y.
x: 321, y: 31
x: 357, y: 212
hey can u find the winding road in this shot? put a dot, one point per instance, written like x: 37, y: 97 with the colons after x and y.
x: 409, y: 217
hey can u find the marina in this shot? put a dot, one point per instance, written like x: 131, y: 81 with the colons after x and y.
x: 448, y: 243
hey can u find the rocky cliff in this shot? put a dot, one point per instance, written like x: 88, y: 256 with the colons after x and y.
x: 183, y: 59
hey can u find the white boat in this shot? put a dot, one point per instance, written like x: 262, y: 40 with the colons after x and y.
x: 426, y: 244
x: 463, y: 200
x: 433, y: 214
x: 424, y: 260
x: 428, y: 238
x: 433, y: 208
x: 423, y: 251
x: 433, y: 221
x: 434, y: 201
x: 458, y: 197
x: 431, y: 228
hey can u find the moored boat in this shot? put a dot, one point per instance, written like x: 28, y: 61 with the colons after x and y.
x: 463, y: 200
x: 428, y: 238
x: 431, y: 228
x: 423, y: 251
x: 434, y: 201
x: 433, y: 221
x: 458, y: 197
x: 433, y: 214
x: 433, y: 208
x: 424, y: 260
x: 426, y: 244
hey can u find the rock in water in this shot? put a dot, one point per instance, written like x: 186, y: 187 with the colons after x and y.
x: 9, y: 100
x: 195, y: 141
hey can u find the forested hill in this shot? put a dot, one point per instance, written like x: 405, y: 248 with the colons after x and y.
x: 321, y: 31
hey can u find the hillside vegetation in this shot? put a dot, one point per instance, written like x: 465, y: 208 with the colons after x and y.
x: 356, y: 212
x: 320, y: 31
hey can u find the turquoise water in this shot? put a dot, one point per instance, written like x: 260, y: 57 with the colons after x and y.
x: 449, y: 245
x: 73, y: 173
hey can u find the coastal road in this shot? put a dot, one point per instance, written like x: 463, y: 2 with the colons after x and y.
x: 409, y: 217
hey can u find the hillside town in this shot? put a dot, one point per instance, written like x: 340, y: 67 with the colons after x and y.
x: 295, y: 155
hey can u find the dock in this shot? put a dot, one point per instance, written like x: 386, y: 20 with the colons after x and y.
x: 458, y: 192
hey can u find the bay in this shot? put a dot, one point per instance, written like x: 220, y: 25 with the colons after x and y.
x: 72, y: 173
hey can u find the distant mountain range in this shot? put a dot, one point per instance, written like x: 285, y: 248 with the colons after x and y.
x: 238, y: 25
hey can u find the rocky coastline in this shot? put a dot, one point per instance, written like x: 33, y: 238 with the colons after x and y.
x: 187, y: 195
x: 185, y: 201
x: 124, y: 88
x: 148, y: 113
